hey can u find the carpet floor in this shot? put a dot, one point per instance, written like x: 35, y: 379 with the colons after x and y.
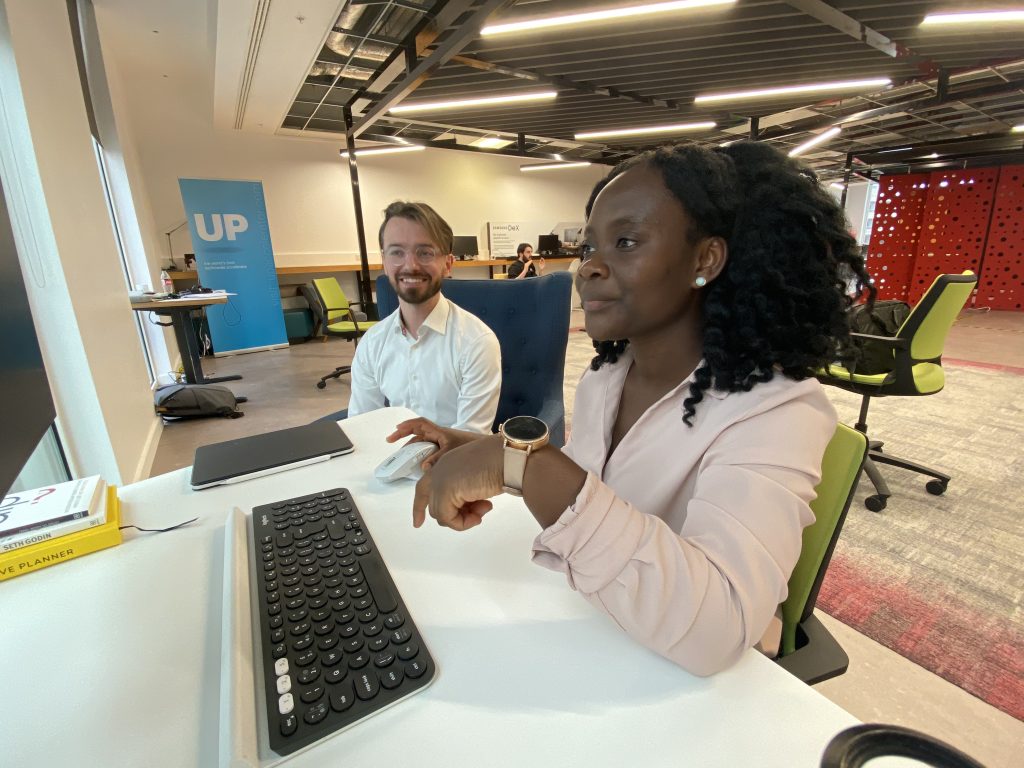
x: 938, y: 579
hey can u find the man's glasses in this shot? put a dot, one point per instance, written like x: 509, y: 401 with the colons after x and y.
x: 422, y: 255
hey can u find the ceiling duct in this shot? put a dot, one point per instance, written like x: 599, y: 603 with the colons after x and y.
x: 349, y: 45
x: 323, y: 69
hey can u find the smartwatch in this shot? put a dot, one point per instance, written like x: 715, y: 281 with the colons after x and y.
x: 522, y: 436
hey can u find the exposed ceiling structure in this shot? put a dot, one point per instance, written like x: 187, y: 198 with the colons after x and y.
x: 954, y: 92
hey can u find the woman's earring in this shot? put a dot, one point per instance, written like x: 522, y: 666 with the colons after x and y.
x: 701, y: 281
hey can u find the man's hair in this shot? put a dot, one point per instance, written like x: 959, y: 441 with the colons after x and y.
x: 779, y: 305
x: 522, y: 247
x: 438, y: 229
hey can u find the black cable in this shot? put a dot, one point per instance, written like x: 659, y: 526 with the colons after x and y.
x: 159, y: 530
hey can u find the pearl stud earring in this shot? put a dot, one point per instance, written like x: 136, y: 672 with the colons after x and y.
x: 701, y: 281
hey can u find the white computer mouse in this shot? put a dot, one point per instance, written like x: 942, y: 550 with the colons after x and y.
x: 405, y: 462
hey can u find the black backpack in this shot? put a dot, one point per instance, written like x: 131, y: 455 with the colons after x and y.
x: 187, y: 401
x: 884, y: 319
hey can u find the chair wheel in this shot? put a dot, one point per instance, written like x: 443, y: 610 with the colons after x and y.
x: 936, y: 487
x: 321, y: 385
x: 875, y: 503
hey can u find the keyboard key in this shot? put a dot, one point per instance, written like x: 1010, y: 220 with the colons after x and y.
x: 315, y: 693
x: 415, y: 668
x: 289, y: 723
x: 359, y: 660
x: 399, y: 636
x: 328, y: 660
x: 362, y: 549
x: 285, y: 703
x: 394, y: 621
x: 408, y: 651
x: 308, y: 529
x: 284, y: 684
x: 279, y: 651
x: 302, y: 643
x: 326, y: 642
x: 392, y: 678
x: 316, y: 713
x: 384, y: 659
x: 335, y: 675
x: 342, y: 697
x: 353, y: 645
x: 366, y: 685
x: 281, y: 667
x: 379, y: 644
x: 305, y: 659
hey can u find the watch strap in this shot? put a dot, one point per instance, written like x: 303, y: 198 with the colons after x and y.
x: 515, y: 469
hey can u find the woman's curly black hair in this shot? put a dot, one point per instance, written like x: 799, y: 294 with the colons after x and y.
x: 792, y: 270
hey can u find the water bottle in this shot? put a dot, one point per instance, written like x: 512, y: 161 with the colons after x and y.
x: 165, y: 281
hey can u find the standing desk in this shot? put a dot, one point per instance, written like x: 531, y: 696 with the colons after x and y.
x: 114, y: 659
x: 180, y: 312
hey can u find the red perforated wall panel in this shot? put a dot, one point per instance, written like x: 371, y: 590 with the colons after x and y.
x: 954, y: 226
x: 1000, y: 285
x: 894, y: 233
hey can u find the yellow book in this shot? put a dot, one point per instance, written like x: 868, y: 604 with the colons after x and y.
x: 53, y: 551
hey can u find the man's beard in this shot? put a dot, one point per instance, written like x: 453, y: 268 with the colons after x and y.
x: 416, y: 293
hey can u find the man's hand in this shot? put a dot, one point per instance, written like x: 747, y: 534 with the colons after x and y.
x: 456, y: 490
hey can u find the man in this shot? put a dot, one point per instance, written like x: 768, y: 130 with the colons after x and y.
x: 525, y: 266
x: 430, y: 356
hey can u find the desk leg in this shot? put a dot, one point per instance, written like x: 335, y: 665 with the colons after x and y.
x: 188, y: 346
x: 490, y: 270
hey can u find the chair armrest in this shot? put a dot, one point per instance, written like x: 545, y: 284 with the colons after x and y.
x: 889, y: 341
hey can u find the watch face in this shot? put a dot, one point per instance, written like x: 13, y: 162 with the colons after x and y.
x: 525, y: 428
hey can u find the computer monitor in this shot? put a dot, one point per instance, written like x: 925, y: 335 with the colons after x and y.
x: 548, y: 245
x: 465, y: 246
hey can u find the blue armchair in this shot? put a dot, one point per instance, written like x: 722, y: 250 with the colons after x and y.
x: 531, y: 320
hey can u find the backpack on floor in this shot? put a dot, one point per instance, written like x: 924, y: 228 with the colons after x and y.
x: 190, y: 401
x: 884, y: 319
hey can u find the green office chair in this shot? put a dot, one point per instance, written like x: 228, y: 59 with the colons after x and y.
x: 916, y: 370
x: 808, y: 650
x: 335, y: 316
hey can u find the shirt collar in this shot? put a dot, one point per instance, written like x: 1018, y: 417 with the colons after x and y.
x: 437, y: 320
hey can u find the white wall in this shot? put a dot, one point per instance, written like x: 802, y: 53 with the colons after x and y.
x: 67, y: 248
x: 306, y: 183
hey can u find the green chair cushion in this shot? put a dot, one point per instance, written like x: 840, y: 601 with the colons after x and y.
x: 928, y: 377
x: 347, y: 326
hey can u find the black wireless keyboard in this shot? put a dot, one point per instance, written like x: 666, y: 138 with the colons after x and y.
x: 337, y: 642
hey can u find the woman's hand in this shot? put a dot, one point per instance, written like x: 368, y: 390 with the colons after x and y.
x: 457, y: 489
x: 425, y: 430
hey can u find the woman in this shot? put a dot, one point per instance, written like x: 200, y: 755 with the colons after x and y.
x: 713, y: 287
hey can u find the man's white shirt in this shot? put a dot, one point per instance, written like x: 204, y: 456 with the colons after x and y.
x: 450, y: 373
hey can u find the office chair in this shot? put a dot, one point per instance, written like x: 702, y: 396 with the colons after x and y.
x: 531, y: 320
x: 916, y: 370
x: 335, y: 316
x: 807, y: 649
x: 858, y: 745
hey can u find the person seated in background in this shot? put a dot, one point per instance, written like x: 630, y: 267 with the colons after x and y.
x: 429, y: 355
x: 525, y: 265
x: 713, y: 284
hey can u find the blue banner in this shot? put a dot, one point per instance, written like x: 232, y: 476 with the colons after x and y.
x: 231, y: 238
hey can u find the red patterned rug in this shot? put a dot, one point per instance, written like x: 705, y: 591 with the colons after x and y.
x: 924, y: 621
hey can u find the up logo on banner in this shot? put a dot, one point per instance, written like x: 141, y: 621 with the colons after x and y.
x: 222, y: 225
x: 231, y: 239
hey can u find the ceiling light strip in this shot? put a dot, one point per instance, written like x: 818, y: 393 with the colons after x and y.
x: 673, y: 128
x: 768, y: 93
x: 814, y: 141
x: 551, y: 166
x: 473, y: 103
x: 384, y: 150
x: 605, y: 14
x: 1017, y: 128
x: 972, y: 17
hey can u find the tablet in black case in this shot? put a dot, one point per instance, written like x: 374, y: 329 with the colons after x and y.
x: 235, y: 460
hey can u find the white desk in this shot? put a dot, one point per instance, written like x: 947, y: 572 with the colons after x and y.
x: 113, y: 659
